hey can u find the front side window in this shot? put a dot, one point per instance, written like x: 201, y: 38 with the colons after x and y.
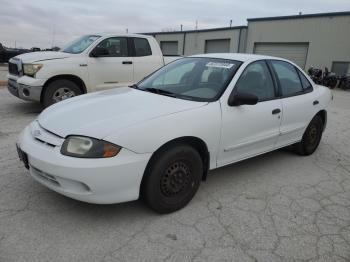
x: 288, y: 78
x: 199, y: 79
x: 116, y: 46
x: 256, y: 80
x: 79, y: 45
x: 142, y: 47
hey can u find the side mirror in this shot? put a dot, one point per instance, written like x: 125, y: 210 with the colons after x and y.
x: 238, y: 99
x: 99, y: 51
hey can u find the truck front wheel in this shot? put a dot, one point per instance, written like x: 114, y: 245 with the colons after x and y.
x: 59, y: 90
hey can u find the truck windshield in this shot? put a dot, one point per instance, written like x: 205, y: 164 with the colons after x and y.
x: 192, y: 78
x: 79, y: 45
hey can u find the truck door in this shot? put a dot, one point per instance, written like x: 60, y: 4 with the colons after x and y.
x: 113, y: 69
x: 145, y: 62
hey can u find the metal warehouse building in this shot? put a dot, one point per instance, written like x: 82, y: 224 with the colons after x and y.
x: 319, y: 40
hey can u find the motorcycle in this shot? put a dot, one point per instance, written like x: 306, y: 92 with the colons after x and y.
x: 325, y: 78
x: 344, y: 82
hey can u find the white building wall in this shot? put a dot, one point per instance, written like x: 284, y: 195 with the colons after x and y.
x: 328, y: 37
x: 195, y: 42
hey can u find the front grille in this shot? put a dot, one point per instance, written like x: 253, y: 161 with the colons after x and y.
x: 13, y: 69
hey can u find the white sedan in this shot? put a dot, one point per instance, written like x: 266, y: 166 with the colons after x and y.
x: 158, y: 139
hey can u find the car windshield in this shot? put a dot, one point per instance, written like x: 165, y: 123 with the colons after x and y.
x: 79, y: 45
x: 192, y: 78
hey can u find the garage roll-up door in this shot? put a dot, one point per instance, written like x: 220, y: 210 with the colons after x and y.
x: 294, y: 52
x: 217, y: 46
x: 169, y: 47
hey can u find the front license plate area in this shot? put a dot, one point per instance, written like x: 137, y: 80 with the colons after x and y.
x: 23, y: 157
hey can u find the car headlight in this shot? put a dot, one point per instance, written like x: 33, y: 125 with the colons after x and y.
x: 87, y: 147
x: 31, y: 69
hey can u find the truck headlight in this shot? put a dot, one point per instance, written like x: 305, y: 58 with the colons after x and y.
x: 87, y: 147
x: 31, y: 69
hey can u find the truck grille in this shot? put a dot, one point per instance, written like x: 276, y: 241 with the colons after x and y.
x: 13, y: 69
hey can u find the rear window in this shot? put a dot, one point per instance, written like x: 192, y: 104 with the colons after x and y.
x: 142, y: 47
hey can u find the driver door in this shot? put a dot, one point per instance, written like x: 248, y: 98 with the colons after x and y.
x: 249, y: 130
x: 113, y: 70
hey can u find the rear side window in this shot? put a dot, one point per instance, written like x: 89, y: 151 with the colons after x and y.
x: 288, y: 78
x: 142, y: 47
x: 306, y: 84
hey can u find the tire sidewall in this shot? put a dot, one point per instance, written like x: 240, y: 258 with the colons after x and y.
x: 54, y: 86
x: 152, y: 191
x: 316, y: 121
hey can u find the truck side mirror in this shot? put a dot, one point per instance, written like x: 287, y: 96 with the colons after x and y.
x: 99, y: 51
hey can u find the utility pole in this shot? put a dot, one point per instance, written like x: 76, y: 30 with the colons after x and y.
x: 196, y: 24
x: 181, y: 27
x: 231, y: 23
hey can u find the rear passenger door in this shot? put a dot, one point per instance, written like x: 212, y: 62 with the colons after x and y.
x: 297, y: 101
x: 145, y: 62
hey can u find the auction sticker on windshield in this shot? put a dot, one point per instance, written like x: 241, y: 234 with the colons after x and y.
x: 219, y: 65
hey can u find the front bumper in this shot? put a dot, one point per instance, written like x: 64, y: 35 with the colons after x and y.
x: 26, y: 89
x: 101, y: 181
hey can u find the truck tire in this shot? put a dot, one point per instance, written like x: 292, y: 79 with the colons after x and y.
x: 59, y: 90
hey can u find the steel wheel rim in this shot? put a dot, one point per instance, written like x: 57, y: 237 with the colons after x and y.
x: 62, y: 93
x: 312, y: 136
x: 176, y: 179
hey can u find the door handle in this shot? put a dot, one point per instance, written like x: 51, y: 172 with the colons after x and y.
x: 276, y: 111
x: 315, y: 102
x: 127, y: 62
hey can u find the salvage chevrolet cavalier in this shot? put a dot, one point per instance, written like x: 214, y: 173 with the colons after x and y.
x: 158, y: 139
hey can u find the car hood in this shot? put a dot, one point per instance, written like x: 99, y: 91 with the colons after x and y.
x: 42, y: 56
x: 104, y: 113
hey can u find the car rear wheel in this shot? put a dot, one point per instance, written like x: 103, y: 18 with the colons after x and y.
x: 311, y: 138
x: 60, y: 90
x: 172, y: 179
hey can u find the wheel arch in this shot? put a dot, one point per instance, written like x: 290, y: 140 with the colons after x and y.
x: 195, y: 142
x: 77, y: 80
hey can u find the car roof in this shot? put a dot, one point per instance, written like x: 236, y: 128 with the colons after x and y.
x: 107, y: 34
x: 238, y: 56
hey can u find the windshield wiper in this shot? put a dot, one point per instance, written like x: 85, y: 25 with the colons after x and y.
x: 160, y: 91
x: 134, y: 86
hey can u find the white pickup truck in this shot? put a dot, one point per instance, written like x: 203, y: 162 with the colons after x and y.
x: 91, y: 63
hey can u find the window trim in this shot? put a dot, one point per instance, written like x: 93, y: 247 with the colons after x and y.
x: 275, y: 87
x: 306, y: 90
x: 128, y: 46
x: 133, y: 49
x: 281, y: 96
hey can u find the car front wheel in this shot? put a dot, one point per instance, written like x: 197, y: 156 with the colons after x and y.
x: 172, y: 178
x: 311, y: 138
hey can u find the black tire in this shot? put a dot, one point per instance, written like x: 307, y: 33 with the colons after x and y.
x: 311, y: 138
x: 172, y: 178
x: 51, y: 93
